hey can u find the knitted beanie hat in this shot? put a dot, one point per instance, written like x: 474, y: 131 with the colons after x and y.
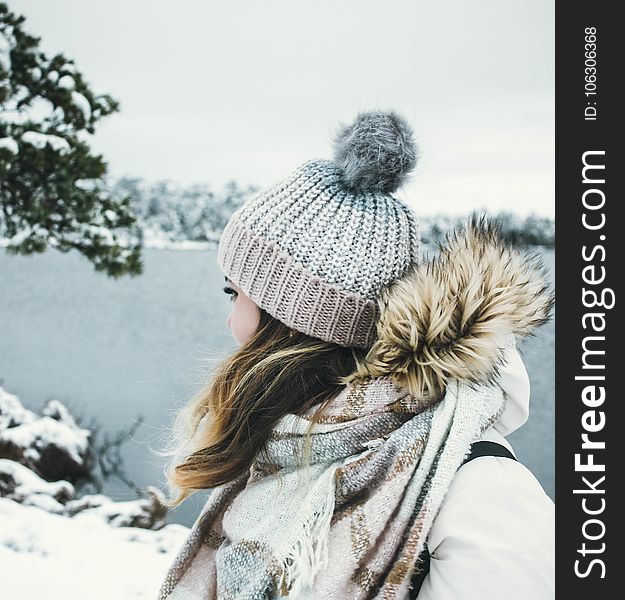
x: 315, y: 249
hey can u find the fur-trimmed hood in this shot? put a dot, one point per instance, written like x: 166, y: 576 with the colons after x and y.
x: 452, y: 315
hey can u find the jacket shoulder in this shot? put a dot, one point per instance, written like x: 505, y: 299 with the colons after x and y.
x: 493, y: 536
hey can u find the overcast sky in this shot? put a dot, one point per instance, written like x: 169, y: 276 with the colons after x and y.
x: 212, y: 91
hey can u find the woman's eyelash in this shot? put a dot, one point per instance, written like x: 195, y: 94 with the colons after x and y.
x: 230, y: 291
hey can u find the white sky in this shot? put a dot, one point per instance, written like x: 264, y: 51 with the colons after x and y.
x: 212, y: 91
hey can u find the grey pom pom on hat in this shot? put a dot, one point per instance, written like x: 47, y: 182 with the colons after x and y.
x: 377, y: 152
x: 315, y: 249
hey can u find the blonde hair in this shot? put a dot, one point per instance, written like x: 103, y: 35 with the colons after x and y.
x: 226, y: 424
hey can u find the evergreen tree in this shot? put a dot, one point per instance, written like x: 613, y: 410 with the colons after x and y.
x: 52, y: 189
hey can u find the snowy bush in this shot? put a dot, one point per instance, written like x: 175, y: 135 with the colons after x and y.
x: 43, y: 457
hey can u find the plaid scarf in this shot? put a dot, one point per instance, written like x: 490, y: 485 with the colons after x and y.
x: 350, y: 524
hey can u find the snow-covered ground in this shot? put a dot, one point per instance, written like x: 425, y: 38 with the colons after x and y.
x: 57, y: 545
x: 44, y: 555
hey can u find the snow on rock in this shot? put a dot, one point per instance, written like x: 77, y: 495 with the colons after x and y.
x: 9, y: 144
x: 146, y: 513
x: 44, y: 502
x: 82, y: 103
x: 12, y: 412
x: 40, y: 458
x: 39, y: 140
x: 57, y: 410
x: 85, y: 502
x: 73, y: 558
x: 20, y: 484
x: 52, y: 445
x: 53, y: 449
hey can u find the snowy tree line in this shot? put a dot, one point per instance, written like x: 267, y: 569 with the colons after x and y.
x: 530, y: 230
x: 170, y: 213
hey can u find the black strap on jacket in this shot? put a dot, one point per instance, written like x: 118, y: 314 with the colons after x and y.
x: 479, y: 448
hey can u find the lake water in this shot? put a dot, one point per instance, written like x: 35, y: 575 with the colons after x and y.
x: 114, y: 350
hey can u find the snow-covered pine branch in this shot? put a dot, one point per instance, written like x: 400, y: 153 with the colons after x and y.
x: 47, y: 113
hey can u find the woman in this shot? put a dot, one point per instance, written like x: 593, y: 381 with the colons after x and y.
x: 334, y: 438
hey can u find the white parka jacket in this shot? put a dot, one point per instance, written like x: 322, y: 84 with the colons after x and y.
x: 493, y: 537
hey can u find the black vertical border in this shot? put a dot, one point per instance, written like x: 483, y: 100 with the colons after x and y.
x: 574, y: 136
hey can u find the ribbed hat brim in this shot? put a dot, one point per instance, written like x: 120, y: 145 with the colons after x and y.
x: 290, y: 293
